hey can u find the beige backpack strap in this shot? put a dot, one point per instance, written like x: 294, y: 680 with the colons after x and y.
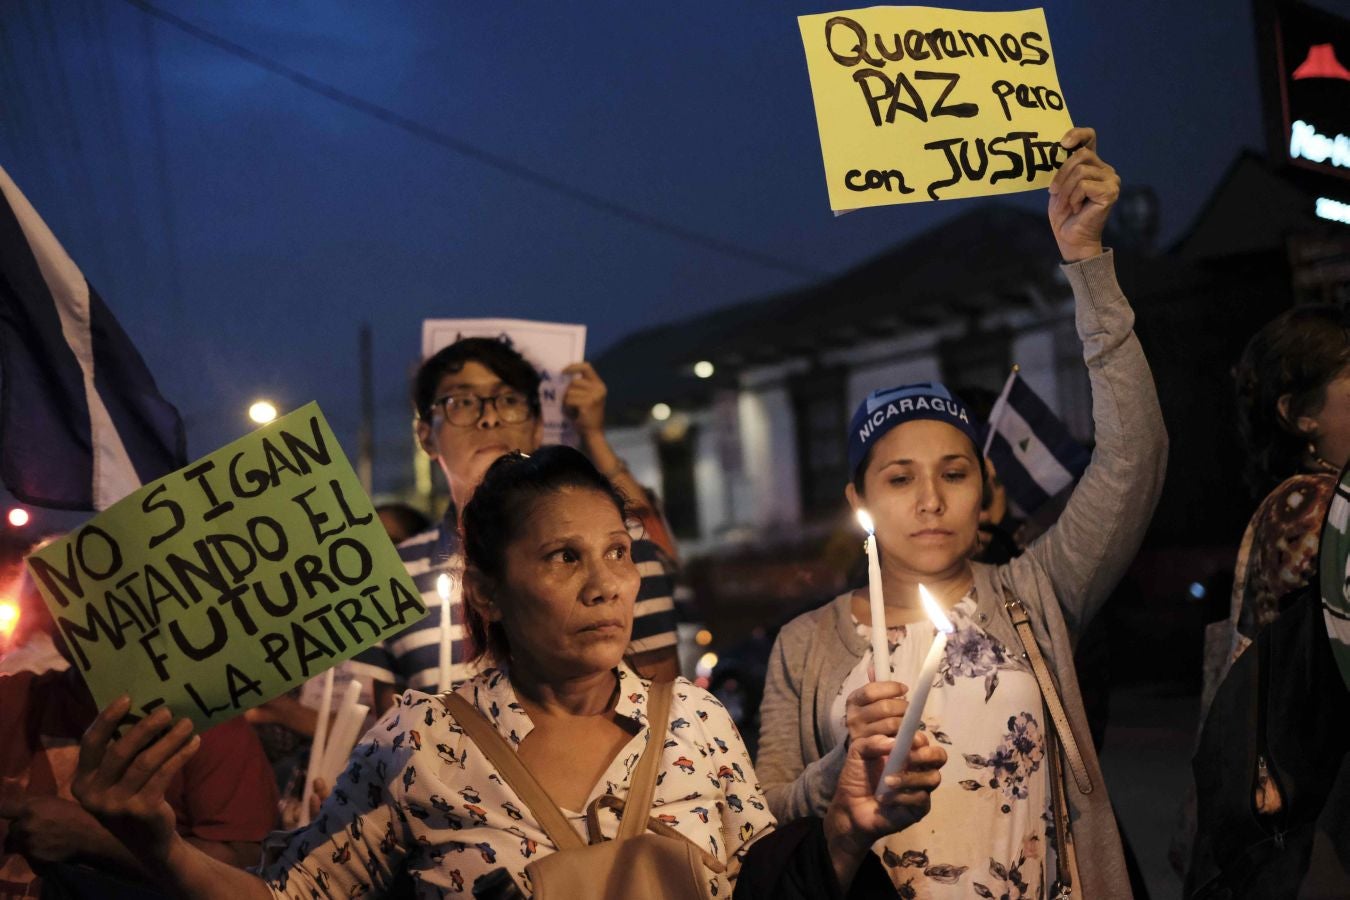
x: 642, y: 786
x: 1059, y: 719
x: 507, y: 763
x: 654, y: 825
x: 1066, y: 852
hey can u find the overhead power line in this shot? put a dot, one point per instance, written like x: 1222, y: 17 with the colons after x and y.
x: 478, y: 154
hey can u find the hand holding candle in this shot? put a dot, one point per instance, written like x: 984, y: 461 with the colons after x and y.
x: 856, y: 819
x: 918, y: 697
x: 881, y: 648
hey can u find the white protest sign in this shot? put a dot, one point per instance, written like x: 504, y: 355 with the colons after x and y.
x: 549, y: 346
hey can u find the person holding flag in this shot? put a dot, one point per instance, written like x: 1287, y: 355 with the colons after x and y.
x: 1018, y: 816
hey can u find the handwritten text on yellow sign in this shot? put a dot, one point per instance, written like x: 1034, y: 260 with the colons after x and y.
x: 917, y: 103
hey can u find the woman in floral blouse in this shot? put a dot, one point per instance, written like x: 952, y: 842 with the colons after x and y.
x: 916, y: 466
x: 551, y: 591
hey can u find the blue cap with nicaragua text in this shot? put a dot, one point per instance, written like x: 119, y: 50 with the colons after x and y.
x: 886, y: 408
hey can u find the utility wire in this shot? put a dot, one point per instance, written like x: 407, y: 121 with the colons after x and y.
x: 478, y: 154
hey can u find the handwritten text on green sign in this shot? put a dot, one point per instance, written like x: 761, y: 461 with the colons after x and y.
x: 230, y: 581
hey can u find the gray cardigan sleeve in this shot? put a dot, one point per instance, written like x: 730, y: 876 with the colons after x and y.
x: 1087, y: 551
x: 793, y: 785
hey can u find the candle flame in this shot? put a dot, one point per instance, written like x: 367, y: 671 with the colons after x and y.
x: 930, y: 606
x: 443, y: 586
x: 9, y: 618
x: 865, y: 521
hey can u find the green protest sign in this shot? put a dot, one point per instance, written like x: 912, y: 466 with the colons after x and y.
x: 230, y: 581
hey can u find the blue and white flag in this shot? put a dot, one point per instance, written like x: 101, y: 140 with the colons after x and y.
x: 81, y: 421
x: 1033, y: 453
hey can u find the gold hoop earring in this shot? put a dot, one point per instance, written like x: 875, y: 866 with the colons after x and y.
x: 1318, y: 461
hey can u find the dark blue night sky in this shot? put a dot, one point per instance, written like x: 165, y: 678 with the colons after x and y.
x: 242, y: 227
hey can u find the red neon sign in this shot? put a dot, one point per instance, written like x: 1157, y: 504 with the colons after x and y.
x: 1321, y: 63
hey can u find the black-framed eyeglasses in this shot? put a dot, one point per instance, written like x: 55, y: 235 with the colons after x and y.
x: 512, y: 408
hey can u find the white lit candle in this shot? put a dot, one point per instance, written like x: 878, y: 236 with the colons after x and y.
x: 918, y: 693
x: 342, y: 735
x: 443, y: 589
x: 317, y: 746
x: 881, y: 648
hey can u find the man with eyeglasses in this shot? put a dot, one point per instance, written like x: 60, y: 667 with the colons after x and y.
x: 475, y: 401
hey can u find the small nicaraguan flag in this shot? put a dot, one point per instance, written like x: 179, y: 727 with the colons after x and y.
x: 82, y: 423
x: 1033, y: 453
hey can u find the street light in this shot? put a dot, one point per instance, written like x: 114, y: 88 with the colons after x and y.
x: 661, y: 412
x: 262, y: 412
x: 704, y: 369
x: 18, y: 517
x: 706, y: 663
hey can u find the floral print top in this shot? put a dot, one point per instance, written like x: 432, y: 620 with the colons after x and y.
x: 986, y: 835
x: 419, y: 801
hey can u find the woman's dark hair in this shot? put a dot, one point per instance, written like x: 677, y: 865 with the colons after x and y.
x: 1298, y: 353
x: 496, y: 515
x: 496, y: 355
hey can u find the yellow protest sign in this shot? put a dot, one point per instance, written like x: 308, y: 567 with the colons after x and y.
x: 917, y: 103
x: 230, y: 581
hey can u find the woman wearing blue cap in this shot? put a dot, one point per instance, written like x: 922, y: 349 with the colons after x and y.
x: 1005, y: 702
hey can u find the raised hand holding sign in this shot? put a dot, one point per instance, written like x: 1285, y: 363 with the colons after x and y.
x: 1081, y: 196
